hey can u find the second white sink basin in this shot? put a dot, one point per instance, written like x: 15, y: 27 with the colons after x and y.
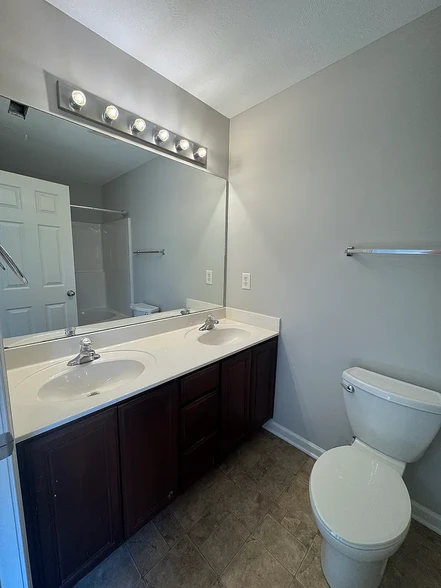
x: 61, y: 383
x: 220, y: 335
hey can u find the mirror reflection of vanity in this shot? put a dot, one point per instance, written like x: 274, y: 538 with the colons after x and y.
x: 107, y: 232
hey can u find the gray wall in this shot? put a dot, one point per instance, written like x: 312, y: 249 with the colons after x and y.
x: 351, y: 155
x: 181, y: 210
x: 36, y: 38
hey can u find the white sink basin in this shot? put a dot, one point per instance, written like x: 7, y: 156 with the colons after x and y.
x: 61, y: 383
x: 220, y: 335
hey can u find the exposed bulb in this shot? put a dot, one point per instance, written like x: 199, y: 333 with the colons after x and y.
x: 162, y: 136
x: 77, y: 99
x: 139, y: 125
x: 111, y: 113
x: 200, y: 153
x: 182, y: 145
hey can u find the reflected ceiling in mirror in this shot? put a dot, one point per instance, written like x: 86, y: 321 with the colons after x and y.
x: 75, y: 208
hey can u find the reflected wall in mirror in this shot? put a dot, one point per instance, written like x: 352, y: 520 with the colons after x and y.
x: 75, y: 206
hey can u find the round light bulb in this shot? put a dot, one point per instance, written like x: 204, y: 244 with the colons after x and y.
x: 111, y: 113
x: 182, y: 145
x: 139, y: 125
x: 200, y: 153
x: 77, y: 99
x: 162, y: 136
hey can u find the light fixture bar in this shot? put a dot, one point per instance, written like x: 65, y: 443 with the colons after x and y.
x: 83, y: 104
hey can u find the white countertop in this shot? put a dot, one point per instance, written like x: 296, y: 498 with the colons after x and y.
x: 175, y: 353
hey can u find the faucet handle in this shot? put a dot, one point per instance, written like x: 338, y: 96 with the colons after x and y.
x: 86, y: 344
x: 212, y: 319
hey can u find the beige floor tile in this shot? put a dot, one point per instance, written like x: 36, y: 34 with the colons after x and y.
x: 255, y: 567
x: 276, y: 480
x: 182, y: 567
x: 305, y: 470
x: 264, y: 464
x: 147, y: 547
x: 310, y: 574
x: 424, y: 545
x: 212, y: 477
x: 278, y: 512
x: 114, y: 572
x: 203, y: 528
x: 192, y: 505
x: 404, y: 571
x: 169, y: 527
x: 248, y: 504
x: 296, y: 500
x: 222, y: 545
x: 291, y: 457
x: 281, y: 544
x: 245, y: 458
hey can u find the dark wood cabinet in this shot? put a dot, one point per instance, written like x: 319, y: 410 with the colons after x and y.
x: 92, y: 483
x: 148, y: 428
x: 71, y: 492
x: 199, y: 418
x: 263, y: 381
x: 235, y: 400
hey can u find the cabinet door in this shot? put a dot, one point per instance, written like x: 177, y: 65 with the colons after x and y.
x: 263, y: 380
x: 235, y: 400
x: 149, y: 454
x: 71, y: 490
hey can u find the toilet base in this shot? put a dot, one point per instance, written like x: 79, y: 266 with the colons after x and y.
x: 343, y: 572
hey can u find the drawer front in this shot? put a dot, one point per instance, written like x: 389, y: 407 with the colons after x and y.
x: 196, y: 461
x: 199, y: 419
x: 196, y: 385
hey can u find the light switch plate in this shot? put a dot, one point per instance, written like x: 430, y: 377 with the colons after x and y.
x: 209, y: 277
x: 246, y: 281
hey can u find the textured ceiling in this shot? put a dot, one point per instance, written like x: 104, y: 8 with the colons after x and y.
x: 45, y: 146
x: 233, y: 54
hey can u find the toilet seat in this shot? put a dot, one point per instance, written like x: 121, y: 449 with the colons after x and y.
x: 360, y: 500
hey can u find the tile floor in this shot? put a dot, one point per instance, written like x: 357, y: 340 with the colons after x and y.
x: 248, y: 524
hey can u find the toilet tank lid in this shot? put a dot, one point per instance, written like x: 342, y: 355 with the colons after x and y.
x: 393, y: 390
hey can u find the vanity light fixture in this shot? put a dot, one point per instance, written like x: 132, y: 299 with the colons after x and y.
x: 200, y: 153
x: 182, y: 145
x: 77, y: 99
x: 137, y: 129
x: 162, y: 136
x: 138, y: 126
x: 110, y: 114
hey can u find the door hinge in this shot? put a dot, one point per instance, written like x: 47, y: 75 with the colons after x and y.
x: 6, y: 445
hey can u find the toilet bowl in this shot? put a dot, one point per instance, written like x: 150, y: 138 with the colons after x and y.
x: 358, y: 497
x: 362, y: 509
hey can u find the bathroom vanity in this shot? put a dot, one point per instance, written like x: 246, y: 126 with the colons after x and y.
x: 92, y: 483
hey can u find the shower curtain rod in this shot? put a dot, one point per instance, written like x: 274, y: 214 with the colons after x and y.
x: 123, y: 212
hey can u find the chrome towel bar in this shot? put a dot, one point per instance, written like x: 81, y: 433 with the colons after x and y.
x: 350, y: 251
x: 157, y: 251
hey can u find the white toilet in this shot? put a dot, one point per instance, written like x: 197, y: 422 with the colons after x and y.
x: 359, y: 500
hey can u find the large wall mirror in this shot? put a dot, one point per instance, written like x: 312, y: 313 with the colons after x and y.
x: 107, y: 233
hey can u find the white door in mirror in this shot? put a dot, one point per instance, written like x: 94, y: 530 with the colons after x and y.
x: 36, y: 230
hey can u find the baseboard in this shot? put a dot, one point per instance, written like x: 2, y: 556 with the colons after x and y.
x: 420, y: 513
x: 293, y: 439
x: 426, y: 517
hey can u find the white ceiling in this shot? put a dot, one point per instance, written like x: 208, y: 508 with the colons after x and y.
x: 233, y: 54
x: 45, y: 146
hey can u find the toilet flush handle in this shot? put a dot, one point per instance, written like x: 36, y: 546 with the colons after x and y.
x: 348, y: 388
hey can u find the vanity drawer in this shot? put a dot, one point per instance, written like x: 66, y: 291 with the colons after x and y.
x: 196, y: 385
x: 197, y: 460
x: 199, y: 419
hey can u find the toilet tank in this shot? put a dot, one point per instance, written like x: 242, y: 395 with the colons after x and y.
x: 394, y: 417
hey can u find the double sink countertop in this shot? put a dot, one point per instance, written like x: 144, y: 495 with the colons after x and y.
x: 46, y: 394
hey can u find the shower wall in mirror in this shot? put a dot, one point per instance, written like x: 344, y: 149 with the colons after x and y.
x: 107, y: 233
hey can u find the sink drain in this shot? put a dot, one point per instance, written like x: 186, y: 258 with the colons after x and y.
x: 92, y: 394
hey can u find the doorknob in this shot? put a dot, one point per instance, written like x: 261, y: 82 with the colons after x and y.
x: 70, y: 293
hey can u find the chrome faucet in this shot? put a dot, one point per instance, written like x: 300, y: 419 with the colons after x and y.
x: 209, y: 324
x: 86, y: 354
